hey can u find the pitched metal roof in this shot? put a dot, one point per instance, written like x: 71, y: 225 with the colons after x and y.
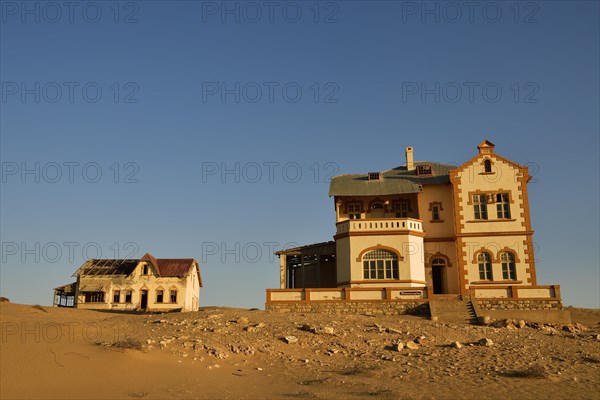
x: 107, y: 267
x: 163, y: 267
x: 394, y: 181
x: 174, y: 267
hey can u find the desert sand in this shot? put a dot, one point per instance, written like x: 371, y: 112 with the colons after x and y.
x: 225, y: 353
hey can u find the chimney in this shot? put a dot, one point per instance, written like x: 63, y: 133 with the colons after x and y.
x: 410, y: 165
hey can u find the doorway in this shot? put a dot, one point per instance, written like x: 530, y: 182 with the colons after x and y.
x: 437, y: 275
x: 144, y: 303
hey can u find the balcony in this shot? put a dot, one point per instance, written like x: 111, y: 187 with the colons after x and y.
x: 380, y: 225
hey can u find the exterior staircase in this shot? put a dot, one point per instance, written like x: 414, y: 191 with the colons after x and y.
x: 452, y: 309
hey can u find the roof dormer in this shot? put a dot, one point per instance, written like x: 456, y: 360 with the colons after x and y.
x: 424, y: 170
x: 374, y: 176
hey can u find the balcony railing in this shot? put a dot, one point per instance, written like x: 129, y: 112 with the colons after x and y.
x: 380, y: 225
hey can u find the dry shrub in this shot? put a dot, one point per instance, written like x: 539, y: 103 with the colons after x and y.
x: 38, y: 307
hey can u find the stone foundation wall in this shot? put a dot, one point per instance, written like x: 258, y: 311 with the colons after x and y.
x: 520, y: 304
x: 353, y: 307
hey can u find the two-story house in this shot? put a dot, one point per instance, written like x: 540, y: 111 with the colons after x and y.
x: 424, y: 227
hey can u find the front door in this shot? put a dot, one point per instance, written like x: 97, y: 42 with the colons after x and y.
x: 144, y: 303
x: 437, y: 275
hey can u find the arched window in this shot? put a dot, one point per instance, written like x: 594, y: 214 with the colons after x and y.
x: 380, y: 264
x: 509, y: 269
x: 484, y: 260
x: 487, y: 166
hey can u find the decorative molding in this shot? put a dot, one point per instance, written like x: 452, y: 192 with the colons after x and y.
x: 379, y: 247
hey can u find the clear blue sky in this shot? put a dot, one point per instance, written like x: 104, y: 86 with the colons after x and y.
x: 168, y: 121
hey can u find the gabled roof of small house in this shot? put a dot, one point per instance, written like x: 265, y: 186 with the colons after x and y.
x: 394, y: 181
x: 162, y: 267
x: 175, y: 267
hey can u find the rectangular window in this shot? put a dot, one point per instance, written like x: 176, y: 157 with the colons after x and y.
x: 145, y: 269
x: 509, y: 272
x: 128, y: 296
x: 401, y: 209
x: 380, y: 269
x: 480, y: 206
x: 173, y: 296
x: 435, y: 213
x: 354, y: 210
x: 117, y: 296
x: 94, y: 297
x: 159, y: 296
x: 485, y: 271
x: 502, y: 206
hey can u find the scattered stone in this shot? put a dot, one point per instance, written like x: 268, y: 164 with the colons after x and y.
x: 522, y: 324
x: 392, y: 330
x: 456, y: 345
x: 290, y: 339
x: 318, y: 329
x: 485, y: 342
x: 411, y: 345
x: 421, y: 340
x: 399, y: 346
x: 254, y: 327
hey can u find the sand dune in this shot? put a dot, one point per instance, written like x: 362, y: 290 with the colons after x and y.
x: 233, y: 353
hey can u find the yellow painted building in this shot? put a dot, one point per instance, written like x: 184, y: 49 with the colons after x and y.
x: 424, y: 225
x: 146, y: 284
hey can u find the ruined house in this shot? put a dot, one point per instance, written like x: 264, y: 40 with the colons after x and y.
x: 146, y: 284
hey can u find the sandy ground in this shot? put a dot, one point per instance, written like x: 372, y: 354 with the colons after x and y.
x: 224, y: 353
